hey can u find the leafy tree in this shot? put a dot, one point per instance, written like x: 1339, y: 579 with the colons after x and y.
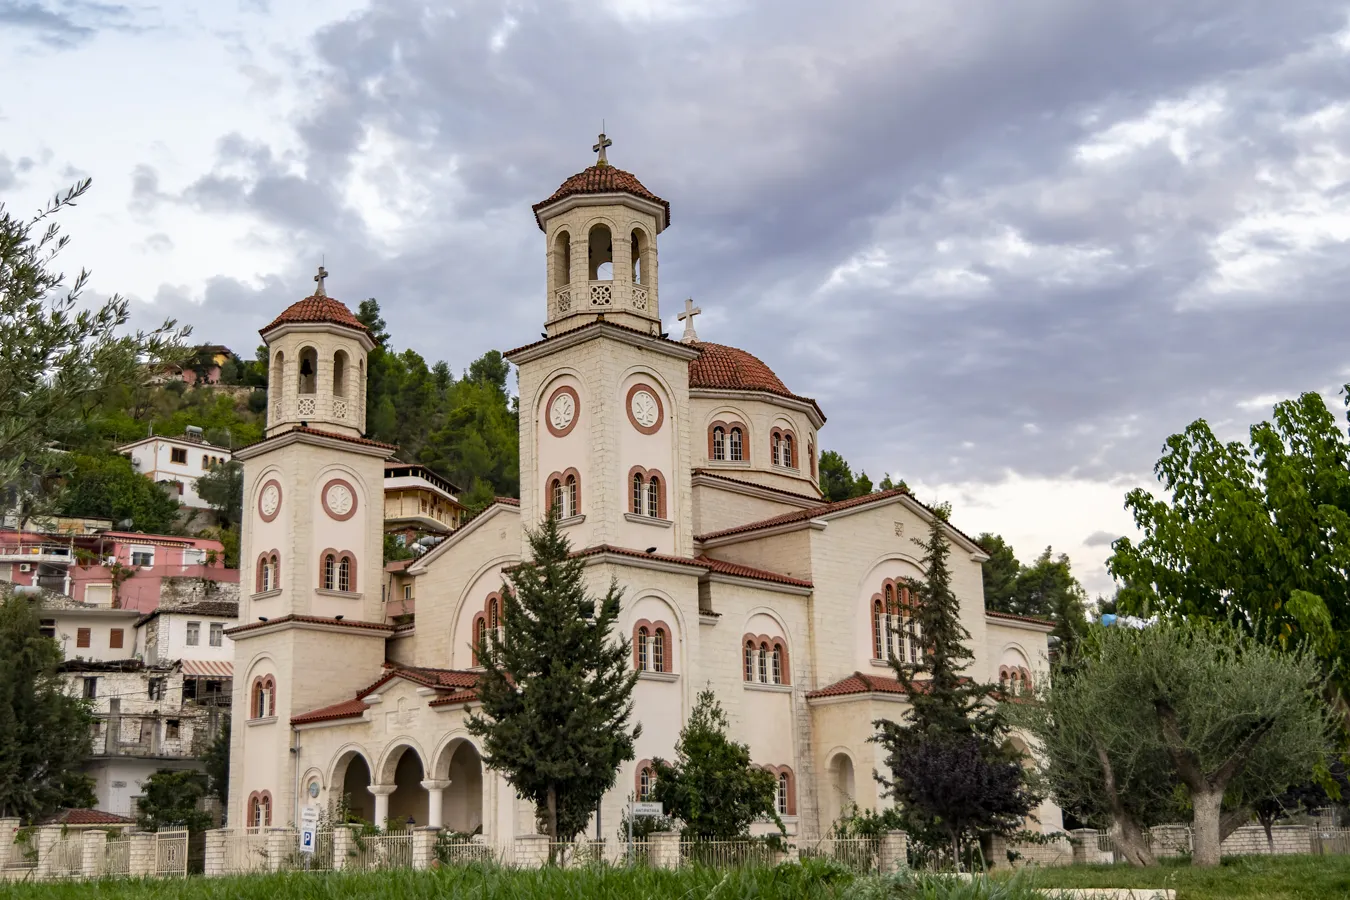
x: 1254, y: 535
x: 57, y: 359
x: 1000, y: 573
x: 836, y: 477
x: 44, y: 732
x: 1046, y: 589
x: 107, y: 486
x: 223, y: 489
x: 557, y: 687
x: 170, y: 799
x: 712, y: 787
x: 950, y: 768
x: 217, y: 763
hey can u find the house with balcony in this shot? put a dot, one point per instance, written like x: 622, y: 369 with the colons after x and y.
x: 177, y: 462
x: 419, y: 503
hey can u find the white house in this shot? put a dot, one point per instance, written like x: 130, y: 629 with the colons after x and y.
x: 176, y: 462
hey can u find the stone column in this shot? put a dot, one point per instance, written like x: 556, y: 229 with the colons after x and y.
x: 1084, y: 841
x: 531, y: 851
x: 47, y: 836
x: 665, y: 849
x: 94, y: 853
x: 142, y: 855
x: 215, y: 851
x: 279, y: 847
x: 344, y: 847
x: 998, y: 852
x: 435, y: 796
x: 8, y: 828
x: 894, y: 851
x: 424, y: 846
x: 381, y: 793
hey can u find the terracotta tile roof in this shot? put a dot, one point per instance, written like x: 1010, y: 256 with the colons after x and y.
x: 437, y: 678
x: 595, y: 324
x: 347, y: 709
x: 720, y: 367
x: 319, y: 432
x: 399, y: 565
x: 600, y: 180
x: 224, y: 609
x: 456, y: 681
x: 317, y: 309
x: 506, y: 501
x: 457, y: 697
x: 86, y: 817
x: 702, y: 562
x: 858, y: 683
x: 995, y: 614
x: 312, y: 620
x: 754, y: 484
x: 803, y: 515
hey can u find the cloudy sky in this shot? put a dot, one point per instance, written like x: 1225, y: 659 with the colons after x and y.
x: 1010, y: 245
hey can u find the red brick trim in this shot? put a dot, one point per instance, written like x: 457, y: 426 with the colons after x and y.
x: 477, y: 634
x: 269, y: 684
x: 643, y: 764
x: 647, y: 475
x: 280, y: 495
x: 667, y: 645
x: 323, y: 497
x: 772, y: 643
x: 726, y: 437
x: 255, y: 800
x: 660, y: 408
x: 576, y: 411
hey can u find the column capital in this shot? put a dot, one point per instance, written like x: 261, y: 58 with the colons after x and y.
x: 432, y: 784
x: 382, y: 790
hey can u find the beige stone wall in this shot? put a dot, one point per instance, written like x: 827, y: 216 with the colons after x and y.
x: 760, y: 416
x: 323, y: 408
x: 1010, y: 644
x: 717, y: 508
x: 638, y: 308
x: 842, y: 728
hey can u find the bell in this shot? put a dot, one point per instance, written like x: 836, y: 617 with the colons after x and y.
x: 306, y: 368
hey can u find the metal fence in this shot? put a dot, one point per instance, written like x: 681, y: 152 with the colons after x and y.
x: 462, y: 851
x: 66, y: 856
x: 862, y: 855
x: 382, y: 851
x: 171, y: 853
x: 117, y: 855
x: 1328, y: 841
x: 245, y: 851
x: 721, y: 854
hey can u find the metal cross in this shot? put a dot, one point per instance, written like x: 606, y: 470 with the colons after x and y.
x: 318, y: 279
x: 690, y: 310
x: 600, y: 148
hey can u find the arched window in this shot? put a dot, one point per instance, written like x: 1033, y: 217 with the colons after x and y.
x: 654, y: 497
x: 329, y: 571
x: 265, y: 811
x: 777, y: 448
x: 562, y: 259
x: 736, y: 444
x: 642, y: 648
x: 764, y: 663
x: 659, y: 650
x: 493, y: 620
x: 480, y: 636
x: 570, y: 495
x: 777, y: 667
x: 344, y: 574
x: 788, y: 459
x: 645, y: 781
x: 340, y: 373
x: 811, y: 453
x: 309, y: 370
x: 638, y: 248
x: 719, y: 442
x: 263, y: 581
x: 600, y: 250
x: 556, y: 490
x: 749, y: 660
x: 638, y: 485
x: 781, y: 800
x: 878, y: 630
x: 259, y: 699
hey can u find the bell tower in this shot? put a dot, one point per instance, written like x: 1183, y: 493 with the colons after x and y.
x: 600, y: 229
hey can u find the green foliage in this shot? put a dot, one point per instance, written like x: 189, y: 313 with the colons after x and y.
x: 394, y: 551
x: 837, y: 480
x: 643, y: 826
x: 223, y: 488
x: 216, y: 762
x: 1256, y: 535
x: 170, y: 800
x: 865, y: 823
x: 712, y: 787
x: 557, y: 687
x: 1046, y: 589
x: 44, y: 733
x: 108, y: 486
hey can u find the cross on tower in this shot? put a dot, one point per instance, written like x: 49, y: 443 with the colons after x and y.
x: 600, y: 148
x: 687, y: 317
x: 318, y: 279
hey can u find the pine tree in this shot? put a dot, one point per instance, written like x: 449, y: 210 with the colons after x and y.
x: 557, y: 687
x: 950, y: 768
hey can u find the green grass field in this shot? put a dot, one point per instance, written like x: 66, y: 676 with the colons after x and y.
x: 1278, y: 878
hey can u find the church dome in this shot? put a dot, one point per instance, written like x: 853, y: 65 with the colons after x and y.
x: 317, y: 308
x: 731, y: 369
x: 601, y: 179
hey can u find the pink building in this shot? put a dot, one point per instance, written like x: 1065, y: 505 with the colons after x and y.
x: 112, y: 569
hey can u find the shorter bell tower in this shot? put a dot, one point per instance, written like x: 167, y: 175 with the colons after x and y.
x: 600, y: 230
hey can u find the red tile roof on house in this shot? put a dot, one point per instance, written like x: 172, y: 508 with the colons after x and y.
x: 702, y: 562
x: 457, y: 683
x: 858, y: 683
x: 995, y: 614
x: 317, y: 309
x: 803, y: 515
x: 319, y: 432
x: 601, y: 180
x: 720, y: 367
x: 311, y: 620
x: 86, y: 817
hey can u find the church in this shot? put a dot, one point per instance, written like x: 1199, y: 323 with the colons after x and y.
x: 685, y: 469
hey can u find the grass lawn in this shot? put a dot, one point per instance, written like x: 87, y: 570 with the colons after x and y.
x: 1239, y: 878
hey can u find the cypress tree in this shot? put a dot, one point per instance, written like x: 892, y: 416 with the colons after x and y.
x: 557, y: 687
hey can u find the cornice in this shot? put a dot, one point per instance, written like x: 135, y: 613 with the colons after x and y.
x: 806, y: 406
x: 296, y: 436
x: 596, y: 331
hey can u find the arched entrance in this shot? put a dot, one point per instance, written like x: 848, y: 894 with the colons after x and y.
x: 842, y: 786
x: 408, y: 803
x: 352, y: 777
x: 464, y: 797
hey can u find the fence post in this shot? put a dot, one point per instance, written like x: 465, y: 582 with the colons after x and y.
x: 531, y: 850
x: 424, y: 846
x: 1084, y: 843
x: 894, y: 854
x: 998, y: 852
x: 215, y: 851
x: 343, y: 847
x: 94, y: 853
x: 9, y: 827
x: 47, y: 837
x: 141, y: 855
x: 665, y: 849
x: 277, y: 848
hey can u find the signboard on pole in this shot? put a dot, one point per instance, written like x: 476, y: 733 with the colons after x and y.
x: 309, y: 827
x: 647, y: 810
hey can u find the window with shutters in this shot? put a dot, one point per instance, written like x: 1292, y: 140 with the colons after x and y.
x: 82, y: 636
x: 115, y: 639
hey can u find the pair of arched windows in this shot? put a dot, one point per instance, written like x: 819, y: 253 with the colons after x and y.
x: 651, y: 647
x: 337, y: 571
x: 489, y: 621
x: 726, y: 442
x: 782, y: 446
x: 784, y: 789
x: 268, y: 575
x: 895, y: 627
x: 644, y: 780
x: 647, y: 493
x: 1014, y: 680
x: 259, y: 809
x: 764, y: 660
x: 263, y: 697
x: 564, y: 494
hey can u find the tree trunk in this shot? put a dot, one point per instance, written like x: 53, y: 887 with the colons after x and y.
x: 1129, y: 840
x: 1270, y: 838
x: 1232, y: 820
x: 552, y: 823
x: 1205, y: 831
x: 956, y: 850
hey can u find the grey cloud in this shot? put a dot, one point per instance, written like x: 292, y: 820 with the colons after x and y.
x: 62, y: 24
x: 791, y: 138
x: 10, y: 170
x: 1100, y: 539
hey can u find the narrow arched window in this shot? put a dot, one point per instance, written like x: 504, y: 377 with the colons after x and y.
x: 787, y: 452
x: 638, y: 250
x: 719, y: 443
x: 654, y: 497
x: 749, y: 660
x: 600, y: 250
x: 344, y: 574
x: 637, y: 494
x: 492, y: 613
x: 480, y: 639
x: 777, y: 665
x: 555, y: 489
x: 777, y: 449
x: 570, y: 495
x: 811, y: 454
x: 562, y: 256
x: 309, y: 370
x: 645, y: 782
x: 642, y: 648
x: 782, y: 798
x: 259, y: 700
x: 878, y: 633
x: 659, y: 650
x: 265, y: 811
x: 763, y: 663
x: 329, y: 571
x: 735, y: 445
x: 340, y: 373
